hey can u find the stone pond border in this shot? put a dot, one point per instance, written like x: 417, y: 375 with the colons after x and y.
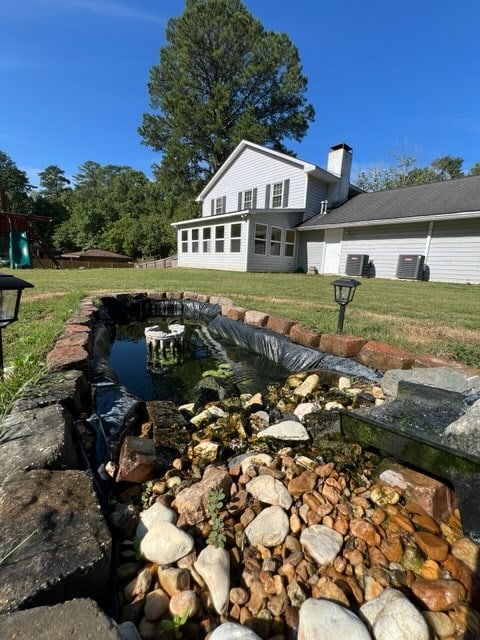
x: 44, y: 485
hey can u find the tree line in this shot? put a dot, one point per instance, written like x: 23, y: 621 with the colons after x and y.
x: 221, y: 77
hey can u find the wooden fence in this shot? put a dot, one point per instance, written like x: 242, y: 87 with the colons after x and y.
x: 164, y: 263
x: 46, y: 263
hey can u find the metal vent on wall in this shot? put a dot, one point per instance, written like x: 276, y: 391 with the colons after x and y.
x: 357, y: 264
x: 410, y: 267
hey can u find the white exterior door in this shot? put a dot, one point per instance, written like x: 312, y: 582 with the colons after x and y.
x: 331, y: 255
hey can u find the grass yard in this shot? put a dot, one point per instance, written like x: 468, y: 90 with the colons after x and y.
x: 429, y: 317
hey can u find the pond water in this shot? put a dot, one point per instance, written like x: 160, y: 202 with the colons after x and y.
x: 250, y: 372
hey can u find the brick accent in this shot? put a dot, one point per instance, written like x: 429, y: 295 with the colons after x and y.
x: 234, y: 313
x: 220, y: 300
x: 280, y: 325
x: 340, y: 345
x: 137, y: 460
x: 64, y: 356
x: 173, y: 295
x: 189, y: 295
x: 256, y: 318
x: 303, y: 336
x: 379, y: 355
x: 201, y: 297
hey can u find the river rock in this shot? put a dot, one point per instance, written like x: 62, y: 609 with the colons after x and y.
x: 270, y: 491
x: 165, y: 543
x: 392, y: 616
x: 213, y: 565
x: 245, y: 460
x: 192, y: 503
x: 438, y: 595
x: 322, y: 543
x: 269, y: 528
x: 324, y: 619
x: 155, y: 514
x: 288, y: 430
x: 233, y: 631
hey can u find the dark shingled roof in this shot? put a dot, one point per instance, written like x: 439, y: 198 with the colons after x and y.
x: 450, y: 196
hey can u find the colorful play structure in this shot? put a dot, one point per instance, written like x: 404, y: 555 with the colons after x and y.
x: 17, y: 232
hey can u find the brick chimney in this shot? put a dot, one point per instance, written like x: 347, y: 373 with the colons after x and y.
x: 340, y: 164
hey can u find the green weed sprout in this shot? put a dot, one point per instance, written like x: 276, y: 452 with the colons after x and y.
x: 217, y: 536
x: 174, y: 624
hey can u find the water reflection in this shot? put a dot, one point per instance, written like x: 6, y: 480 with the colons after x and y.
x: 251, y: 372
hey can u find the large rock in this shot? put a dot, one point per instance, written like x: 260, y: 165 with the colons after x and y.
x: 213, y: 565
x: 64, y: 546
x: 288, y: 430
x: 233, y: 631
x: 392, y: 616
x: 68, y: 388
x: 76, y: 620
x: 322, y: 543
x: 269, y: 528
x: 321, y: 619
x: 165, y: 543
x: 192, y: 503
x: 446, y: 378
x: 37, y: 439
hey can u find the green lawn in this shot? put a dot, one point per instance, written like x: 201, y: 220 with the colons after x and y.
x: 429, y: 317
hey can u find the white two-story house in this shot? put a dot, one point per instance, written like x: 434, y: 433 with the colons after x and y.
x: 253, y: 205
x: 267, y: 211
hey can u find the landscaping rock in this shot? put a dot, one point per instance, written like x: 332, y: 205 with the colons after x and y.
x: 165, y: 543
x: 37, y: 439
x: 68, y: 388
x: 446, y: 378
x: 79, y: 619
x: 392, y: 616
x: 69, y: 553
x: 319, y: 619
x: 288, y: 430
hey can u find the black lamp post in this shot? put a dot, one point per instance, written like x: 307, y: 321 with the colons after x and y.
x: 10, y: 293
x: 344, y: 290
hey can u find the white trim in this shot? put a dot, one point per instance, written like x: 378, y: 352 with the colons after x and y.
x: 246, y: 213
x: 377, y: 222
x: 308, y: 167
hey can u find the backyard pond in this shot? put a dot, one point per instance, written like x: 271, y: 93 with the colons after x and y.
x: 202, y: 355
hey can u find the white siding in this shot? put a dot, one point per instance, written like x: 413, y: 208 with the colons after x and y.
x: 227, y: 260
x: 255, y: 169
x: 317, y: 191
x: 384, y: 244
x: 310, y: 250
x: 454, y: 254
x: 268, y: 262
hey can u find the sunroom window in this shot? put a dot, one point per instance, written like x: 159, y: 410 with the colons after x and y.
x: 235, y: 237
x: 275, y: 241
x: 289, y: 244
x: 260, y: 239
x: 185, y: 241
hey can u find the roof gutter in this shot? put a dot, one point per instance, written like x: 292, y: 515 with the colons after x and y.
x: 464, y: 215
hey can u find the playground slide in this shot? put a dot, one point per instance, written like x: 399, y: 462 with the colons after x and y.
x: 20, y: 256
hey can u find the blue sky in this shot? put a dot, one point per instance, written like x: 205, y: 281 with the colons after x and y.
x: 384, y: 77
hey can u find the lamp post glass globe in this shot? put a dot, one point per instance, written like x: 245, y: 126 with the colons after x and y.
x: 11, y: 289
x: 344, y: 290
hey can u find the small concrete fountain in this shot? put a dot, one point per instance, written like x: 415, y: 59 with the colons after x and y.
x: 165, y: 347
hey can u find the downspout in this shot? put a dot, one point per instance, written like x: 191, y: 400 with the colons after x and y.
x: 428, y: 241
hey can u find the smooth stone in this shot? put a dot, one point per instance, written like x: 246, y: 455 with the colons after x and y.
x: 321, y: 619
x: 322, y: 543
x: 270, y: 491
x: 165, y: 543
x: 152, y: 516
x: 250, y: 458
x: 288, y: 430
x: 129, y: 631
x: 308, y: 386
x: 305, y: 408
x: 213, y: 565
x: 233, y: 631
x: 269, y: 528
x: 392, y: 616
